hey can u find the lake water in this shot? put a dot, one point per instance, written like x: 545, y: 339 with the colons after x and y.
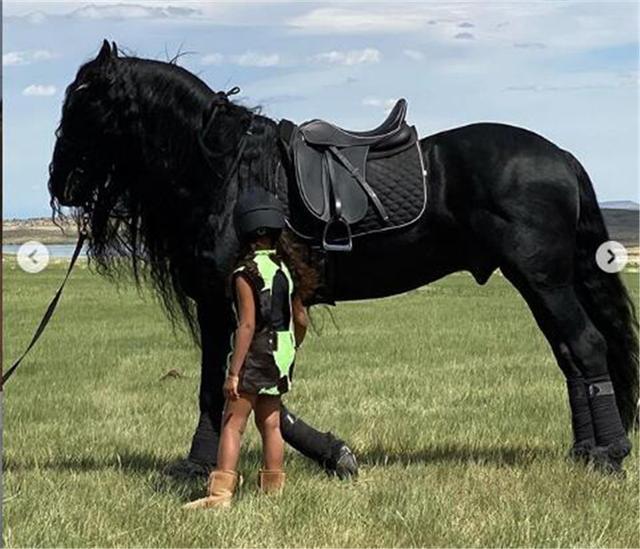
x: 55, y: 250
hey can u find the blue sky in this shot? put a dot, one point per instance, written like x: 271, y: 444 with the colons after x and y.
x: 567, y: 70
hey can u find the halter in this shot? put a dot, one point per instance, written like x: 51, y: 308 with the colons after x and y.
x: 222, y: 100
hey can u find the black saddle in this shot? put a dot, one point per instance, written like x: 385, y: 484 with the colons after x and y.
x: 391, y: 133
x: 330, y: 170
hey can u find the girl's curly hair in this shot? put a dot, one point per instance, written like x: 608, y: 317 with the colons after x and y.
x: 292, y: 254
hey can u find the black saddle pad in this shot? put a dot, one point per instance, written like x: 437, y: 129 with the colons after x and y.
x: 398, y: 178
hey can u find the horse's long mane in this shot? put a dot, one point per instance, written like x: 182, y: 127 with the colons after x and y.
x: 158, y: 145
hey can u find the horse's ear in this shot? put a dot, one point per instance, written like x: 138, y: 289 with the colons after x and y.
x: 114, y: 49
x: 105, y: 52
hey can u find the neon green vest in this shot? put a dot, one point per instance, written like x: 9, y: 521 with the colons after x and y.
x: 270, y: 343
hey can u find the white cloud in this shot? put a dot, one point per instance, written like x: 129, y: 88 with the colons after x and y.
x: 630, y: 77
x: 256, y: 59
x: 529, y: 22
x: 347, y: 20
x: 414, y: 55
x: 350, y: 57
x: 387, y: 104
x: 578, y: 81
x: 39, y: 90
x: 106, y: 9
x: 530, y: 45
x: 42, y: 55
x: 212, y: 59
x: 36, y: 17
x: 14, y: 58
x: 131, y: 11
x: 196, y: 11
x: 246, y: 59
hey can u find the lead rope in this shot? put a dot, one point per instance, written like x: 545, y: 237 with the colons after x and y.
x: 54, y: 302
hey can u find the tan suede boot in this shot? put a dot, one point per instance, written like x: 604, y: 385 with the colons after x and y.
x: 271, y: 481
x: 220, y: 489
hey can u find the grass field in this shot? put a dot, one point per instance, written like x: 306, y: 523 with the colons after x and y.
x: 448, y: 394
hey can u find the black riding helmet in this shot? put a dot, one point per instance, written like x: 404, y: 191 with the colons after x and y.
x: 258, y: 209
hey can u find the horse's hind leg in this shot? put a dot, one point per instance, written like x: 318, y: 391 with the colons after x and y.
x: 581, y: 351
x: 536, y: 254
x: 584, y: 439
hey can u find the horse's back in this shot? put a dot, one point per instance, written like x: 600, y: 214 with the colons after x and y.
x: 488, y: 135
x: 489, y: 157
x: 501, y: 170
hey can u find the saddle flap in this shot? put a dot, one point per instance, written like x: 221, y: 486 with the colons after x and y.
x: 311, y: 177
x: 326, y: 185
x: 347, y: 190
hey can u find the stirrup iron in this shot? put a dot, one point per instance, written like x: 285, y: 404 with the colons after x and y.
x: 335, y: 245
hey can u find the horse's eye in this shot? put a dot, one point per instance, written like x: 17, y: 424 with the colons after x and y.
x: 81, y: 87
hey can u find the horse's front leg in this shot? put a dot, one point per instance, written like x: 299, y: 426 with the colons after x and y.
x: 326, y: 449
x: 217, y: 323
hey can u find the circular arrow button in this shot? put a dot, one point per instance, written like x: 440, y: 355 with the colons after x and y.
x: 612, y: 256
x: 33, y: 256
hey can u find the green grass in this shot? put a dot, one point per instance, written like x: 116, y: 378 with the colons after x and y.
x: 448, y: 394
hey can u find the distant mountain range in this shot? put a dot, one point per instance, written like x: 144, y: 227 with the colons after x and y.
x: 623, y: 224
x: 620, y: 205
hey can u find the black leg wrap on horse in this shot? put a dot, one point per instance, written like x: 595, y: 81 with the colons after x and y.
x: 611, y: 439
x: 330, y: 452
x: 604, y: 411
x: 580, y: 411
x: 583, y: 435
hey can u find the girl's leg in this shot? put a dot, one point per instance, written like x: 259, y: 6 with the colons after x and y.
x: 267, y: 410
x: 234, y: 421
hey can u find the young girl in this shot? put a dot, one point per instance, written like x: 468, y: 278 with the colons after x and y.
x: 271, y: 324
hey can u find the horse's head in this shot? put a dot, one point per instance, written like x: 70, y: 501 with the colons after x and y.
x: 86, y: 137
x: 132, y: 132
x: 143, y: 154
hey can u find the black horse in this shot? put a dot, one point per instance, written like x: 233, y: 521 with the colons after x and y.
x: 152, y: 159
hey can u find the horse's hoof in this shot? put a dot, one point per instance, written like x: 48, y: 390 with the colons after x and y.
x: 189, y: 469
x: 603, y: 463
x: 608, y: 459
x: 620, y: 448
x: 580, y: 452
x: 346, y: 465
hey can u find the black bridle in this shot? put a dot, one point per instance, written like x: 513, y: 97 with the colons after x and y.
x: 222, y: 99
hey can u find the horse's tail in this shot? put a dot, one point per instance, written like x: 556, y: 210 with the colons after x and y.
x: 606, y: 300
